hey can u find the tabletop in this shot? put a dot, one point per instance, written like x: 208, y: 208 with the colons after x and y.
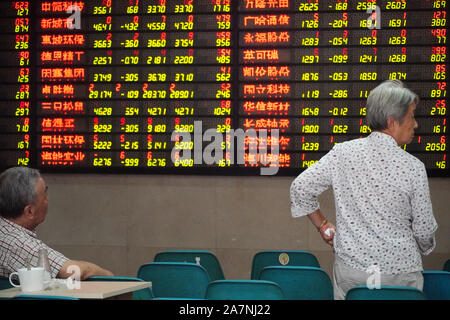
x: 87, y: 290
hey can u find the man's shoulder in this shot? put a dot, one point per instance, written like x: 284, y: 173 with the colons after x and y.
x: 14, y: 237
x: 411, y: 160
x: 359, y: 146
x: 350, y: 145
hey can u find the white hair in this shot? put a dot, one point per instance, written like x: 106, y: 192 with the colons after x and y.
x: 390, y: 99
x: 17, y: 190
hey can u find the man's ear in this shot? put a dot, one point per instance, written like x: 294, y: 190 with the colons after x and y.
x: 29, y: 211
x: 391, y: 123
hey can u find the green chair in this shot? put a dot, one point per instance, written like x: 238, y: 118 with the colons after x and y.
x: 40, y: 297
x: 244, y: 290
x: 300, y: 283
x: 447, y: 266
x: 4, y: 283
x: 384, y: 293
x: 204, y: 258
x: 282, y: 258
x: 176, y: 279
x: 436, y: 285
x: 144, y: 294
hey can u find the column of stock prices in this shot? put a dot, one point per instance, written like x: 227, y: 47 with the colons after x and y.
x: 211, y: 86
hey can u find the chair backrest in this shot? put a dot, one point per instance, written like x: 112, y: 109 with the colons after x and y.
x: 4, y: 283
x: 384, y: 293
x: 282, y: 258
x: 175, y: 279
x: 446, y: 266
x: 300, y: 283
x: 204, y: 258
x: 244, y: 290
x: 143, y: 294
x: 42, y: 297
x: 436, y: 285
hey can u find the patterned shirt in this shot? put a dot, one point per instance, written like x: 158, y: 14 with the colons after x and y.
x: 383, y: 207
x: 19, y: 245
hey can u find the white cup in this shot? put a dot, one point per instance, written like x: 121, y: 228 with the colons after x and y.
x: 30, y: 280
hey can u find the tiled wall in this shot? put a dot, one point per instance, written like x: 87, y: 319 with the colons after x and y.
x: 122, y: 221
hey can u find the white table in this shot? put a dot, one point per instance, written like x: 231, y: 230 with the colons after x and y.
x: 120, y: 290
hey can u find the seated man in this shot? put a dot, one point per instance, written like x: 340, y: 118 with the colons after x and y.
x: 23, y: 206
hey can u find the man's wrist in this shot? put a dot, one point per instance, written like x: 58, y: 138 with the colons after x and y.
x: 324, y: 222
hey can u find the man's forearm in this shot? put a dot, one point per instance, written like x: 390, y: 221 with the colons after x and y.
x: 317, y: 218
x: 86, y: 270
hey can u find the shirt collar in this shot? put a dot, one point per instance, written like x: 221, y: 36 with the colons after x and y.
x: 381, y: 137
x: 19, y: 228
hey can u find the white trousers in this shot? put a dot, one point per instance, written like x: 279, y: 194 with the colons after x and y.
x: 345, y: 278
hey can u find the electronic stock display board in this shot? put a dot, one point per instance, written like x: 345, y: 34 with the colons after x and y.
x: 211, y: 86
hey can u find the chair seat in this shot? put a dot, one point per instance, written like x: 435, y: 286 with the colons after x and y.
x: 268, y: 258
x: 446, y: 266
x: 4, y: 283
x: 202, y: 257
x: 300, y: 283
x: 384, y: 293
x: 436, y: 285
x: 176, y: 279
x: 244, y: 290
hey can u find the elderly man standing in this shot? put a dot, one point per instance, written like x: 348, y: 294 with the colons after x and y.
x: 384, y: 218
x: 23, y: 206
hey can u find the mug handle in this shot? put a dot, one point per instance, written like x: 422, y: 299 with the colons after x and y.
x: 10, y: 281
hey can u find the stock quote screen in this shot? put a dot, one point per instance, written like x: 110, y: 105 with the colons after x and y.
x: 211, y: 86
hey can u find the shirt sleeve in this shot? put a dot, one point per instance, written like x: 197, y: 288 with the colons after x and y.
x: 56, y: 260
x: 424, y: 224
x: 22, y: 253
x: 306, y: 188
